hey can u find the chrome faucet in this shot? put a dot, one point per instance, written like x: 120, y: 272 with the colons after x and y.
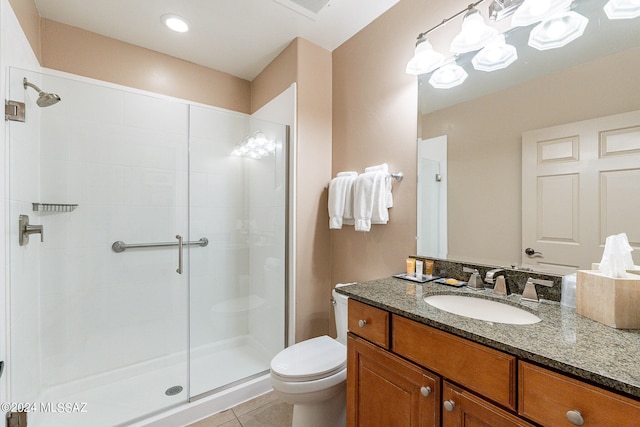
x: 492, y: 275
x: 26, y: 229
x: 496, y: 277
x: 529, y: 293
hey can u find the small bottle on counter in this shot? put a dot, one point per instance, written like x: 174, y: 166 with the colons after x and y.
x: 419, y: 269
x: 411, y: 266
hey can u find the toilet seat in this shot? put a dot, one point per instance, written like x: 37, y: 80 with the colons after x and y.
x: 310, y: 360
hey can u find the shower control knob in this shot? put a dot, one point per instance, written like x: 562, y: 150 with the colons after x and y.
x: 426, y: 391
x: 362, y: 323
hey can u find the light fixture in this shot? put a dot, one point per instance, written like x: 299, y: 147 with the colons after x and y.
x: 495, y: 56
x: 622, y: 9
x: 533, y: 11
x: 558, y: 31
x: 501, y: 9
x: 475, y: 34
x: 425, y: 59
x: 175, y: 22
x: 255, y: 146
x: 448, y: 76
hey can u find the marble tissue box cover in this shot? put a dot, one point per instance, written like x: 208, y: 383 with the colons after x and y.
x: 613, y: 302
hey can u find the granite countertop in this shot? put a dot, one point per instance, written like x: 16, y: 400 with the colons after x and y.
x: 563, y: 340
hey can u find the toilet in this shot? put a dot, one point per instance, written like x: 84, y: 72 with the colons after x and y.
x: 312, y: 375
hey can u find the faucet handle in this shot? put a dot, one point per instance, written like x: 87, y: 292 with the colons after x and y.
x: 469, y: 270
x: 475, y: 281
x: 529, y: 293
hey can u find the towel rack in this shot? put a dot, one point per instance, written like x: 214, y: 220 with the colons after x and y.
x: 398, y: 176
x: 121, y: 246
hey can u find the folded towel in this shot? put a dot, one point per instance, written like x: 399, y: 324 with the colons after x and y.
x: 378, y: 168
x: 370, y: 200
x: 383, y: 168
x: 340, y: 203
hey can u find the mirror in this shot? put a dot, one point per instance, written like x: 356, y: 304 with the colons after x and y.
x: 484, y: 118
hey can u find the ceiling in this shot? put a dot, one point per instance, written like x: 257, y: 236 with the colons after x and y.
x: 239, y: 37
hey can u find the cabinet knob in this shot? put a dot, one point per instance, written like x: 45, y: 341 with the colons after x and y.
x: 426, y: 391
x: 575, y: 417
x: 449, y: 405
x: 362, y: 323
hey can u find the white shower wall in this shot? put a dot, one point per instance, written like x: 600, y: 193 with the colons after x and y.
x: 122, y: 157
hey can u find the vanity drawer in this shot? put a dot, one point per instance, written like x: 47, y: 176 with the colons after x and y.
x: 486, y: 371
x: 369, y: 322
x: 548, y: 398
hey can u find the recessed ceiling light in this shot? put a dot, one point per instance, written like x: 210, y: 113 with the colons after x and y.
x: 175, y: 22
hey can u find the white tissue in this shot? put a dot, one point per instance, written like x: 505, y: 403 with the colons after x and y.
x: 616, y: 259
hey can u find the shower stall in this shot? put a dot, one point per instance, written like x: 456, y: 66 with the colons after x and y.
x: 152, y: 271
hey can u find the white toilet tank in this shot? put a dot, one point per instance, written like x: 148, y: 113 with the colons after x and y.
x: 340, y: 312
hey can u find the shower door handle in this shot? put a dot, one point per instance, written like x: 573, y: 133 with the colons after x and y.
x: 180, y: 246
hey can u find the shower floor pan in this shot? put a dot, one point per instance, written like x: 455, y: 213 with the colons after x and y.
x: 118, y: 402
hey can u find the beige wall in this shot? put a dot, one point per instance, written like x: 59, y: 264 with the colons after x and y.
x: 29, y: 19
x: 73, y: 50
x: 375, y: 121
x: 484, y: 144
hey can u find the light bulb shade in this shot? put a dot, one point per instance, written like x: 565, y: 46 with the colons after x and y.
x: 475, y: 34
x: 495, y: 56
x: 533, y: 11
x: 558, y: 31
x: 425, y: 59
x: 622, y: 9
x: 448, y: 76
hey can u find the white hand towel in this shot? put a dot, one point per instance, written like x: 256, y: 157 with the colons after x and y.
x: 383, y: 168
x: 369, y: 200
x: 341, y: 199
x: 378, y: 168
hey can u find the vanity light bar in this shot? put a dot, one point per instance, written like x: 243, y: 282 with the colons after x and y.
x: 492, y: 56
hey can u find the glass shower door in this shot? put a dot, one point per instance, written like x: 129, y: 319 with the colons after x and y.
x: 89, y: 324
x: 238, y: 283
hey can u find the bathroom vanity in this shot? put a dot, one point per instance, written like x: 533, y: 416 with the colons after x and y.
x: 411, y: 364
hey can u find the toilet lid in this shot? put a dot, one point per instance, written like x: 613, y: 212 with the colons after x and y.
x: 309, y: 360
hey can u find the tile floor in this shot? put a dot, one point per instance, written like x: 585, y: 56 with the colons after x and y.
x: 263, y: 411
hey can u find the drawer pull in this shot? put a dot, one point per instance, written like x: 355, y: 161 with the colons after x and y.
x: 362, y: 323
x: 449, y: 405
x: 426, y: 391
x: 575, y: 417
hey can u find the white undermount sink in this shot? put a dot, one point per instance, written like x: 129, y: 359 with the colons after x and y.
x: 482, y: 309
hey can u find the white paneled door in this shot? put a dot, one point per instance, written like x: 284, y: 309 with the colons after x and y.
x: 580, y: 184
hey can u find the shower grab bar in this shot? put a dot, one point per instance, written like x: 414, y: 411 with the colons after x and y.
x: 121, y: 246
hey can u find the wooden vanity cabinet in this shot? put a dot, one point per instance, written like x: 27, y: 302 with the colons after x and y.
x: 552, y: 399
x: 464, y: 409
x: 391, y: 360
x: 384, y: 390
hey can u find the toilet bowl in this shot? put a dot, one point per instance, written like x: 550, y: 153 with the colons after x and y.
x: 312, y: 374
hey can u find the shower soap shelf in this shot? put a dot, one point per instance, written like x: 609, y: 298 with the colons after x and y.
x: 53, y: 207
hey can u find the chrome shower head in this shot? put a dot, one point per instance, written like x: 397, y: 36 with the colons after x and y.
x: 44, y: 99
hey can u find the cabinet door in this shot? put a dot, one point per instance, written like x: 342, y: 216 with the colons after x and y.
x: 461, y: 408
x: 384, y: 390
